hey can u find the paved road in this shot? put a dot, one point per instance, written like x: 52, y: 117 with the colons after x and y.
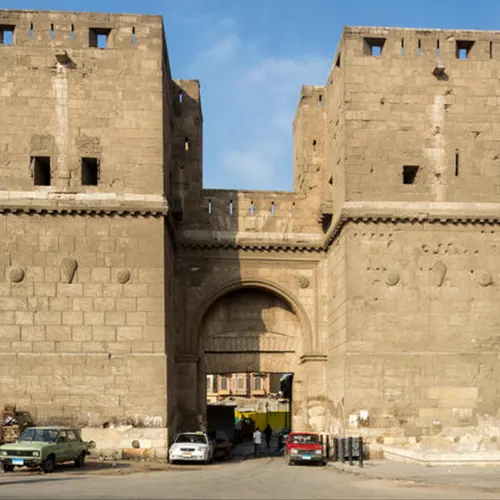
x: 253, y: 478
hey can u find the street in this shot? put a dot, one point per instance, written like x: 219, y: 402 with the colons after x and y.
x: 245, y: 479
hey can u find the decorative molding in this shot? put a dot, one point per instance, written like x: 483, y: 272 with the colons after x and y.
x: 438, y: 273
x: 16, y: 274
x: 392, y: 278
x: 82, y: 204
x: 68, y: 268
x: 484, y: 278
x: 123, y: 276
x: 303, y: 281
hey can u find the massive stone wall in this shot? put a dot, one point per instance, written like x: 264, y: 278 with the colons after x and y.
x: 83, y: 318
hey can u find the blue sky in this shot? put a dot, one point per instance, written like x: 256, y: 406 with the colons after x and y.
x: 252, y: 56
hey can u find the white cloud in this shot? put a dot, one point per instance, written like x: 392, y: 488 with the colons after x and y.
x: 249, y: 100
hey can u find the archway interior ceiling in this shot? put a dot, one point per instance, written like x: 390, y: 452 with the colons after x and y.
x: 250, y: 320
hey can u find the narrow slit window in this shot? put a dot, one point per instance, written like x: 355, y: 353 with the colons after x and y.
x: 463, y: 48
x: 52, y: 33
x: 402, y: 51
x: 320, y: 101
x: 41, y: 170
x: 72, y: 32
x: 90, y: 171
x: 209, y: 207
x: 180, y: 97
x: 457, y: 163
x: 374, y: 46
x: 314, y: 145
x: 410, y: 174
x: 252, y: 208
x: 32, y: 32
x: 491, y: 50
x: 338, y: 61
x: 293, y: 208
x: 99, y: 37
x: 230, y: 207
x: 134, y: 39
x: 186, y: 144
x: 419, y: 47
x: 6, y: 35
x: 438, y: 49
x: 272, y: 208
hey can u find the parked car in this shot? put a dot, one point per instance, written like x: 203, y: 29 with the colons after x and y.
x: 45, y: 447
x: 304, y: 447
x: 191, y: 446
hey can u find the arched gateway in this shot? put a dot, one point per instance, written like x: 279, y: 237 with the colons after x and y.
x: 250, y: 325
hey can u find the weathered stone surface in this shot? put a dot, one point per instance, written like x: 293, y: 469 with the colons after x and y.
x: 373, y: 281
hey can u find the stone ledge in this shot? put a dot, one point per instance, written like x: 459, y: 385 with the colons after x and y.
x: 429, y: 457
x: 51, y: 203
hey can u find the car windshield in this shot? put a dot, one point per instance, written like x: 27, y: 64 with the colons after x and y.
x: 191, y: 438
x: 305, y: 438
x: 39, y: 435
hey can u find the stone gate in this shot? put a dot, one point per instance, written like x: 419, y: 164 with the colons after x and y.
x: 123, y: 281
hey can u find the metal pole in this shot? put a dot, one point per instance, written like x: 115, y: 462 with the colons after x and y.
x: 361, y: 452
x: 342, y: 450
x: 349, y: 450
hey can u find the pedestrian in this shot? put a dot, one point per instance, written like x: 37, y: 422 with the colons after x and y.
x: 257, y: 441
x: 268, y: 432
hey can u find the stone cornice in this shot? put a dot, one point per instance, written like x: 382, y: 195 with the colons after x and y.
x: 104, y: 204
x: 306, y: 358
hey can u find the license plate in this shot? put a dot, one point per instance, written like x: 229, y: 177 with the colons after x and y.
x: 307, y: 457
x: 17, y: 461
x: 187, y: 454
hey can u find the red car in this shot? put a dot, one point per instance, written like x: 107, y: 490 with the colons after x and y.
x: 304, y: 447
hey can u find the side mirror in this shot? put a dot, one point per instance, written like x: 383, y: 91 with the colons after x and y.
x: 92, y: 445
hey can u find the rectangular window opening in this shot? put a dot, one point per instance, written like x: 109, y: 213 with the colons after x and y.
x: 402, y: 51
x: 186, y: 144
x: 180, y: 97
x: 230, y: 207
x: 209, y: 207
x: 273, y: 208
x: 463, y: 48
x: 32, y: 32
x: 252, y: 208
x: 410, y: 174
x: 41, y: 170
x: 438, y: 49
x: 52, y: 35
x: 491, y: 50
x: 134, y: 39
x: 457, y: 163
x: 374, y: 46
x: 320, y: 101
x: 419, y: 47
x: 337, y: 62
x: 90, y: 171
x: 72, y: 32
x: 99, y: 37
x: 6, y: 34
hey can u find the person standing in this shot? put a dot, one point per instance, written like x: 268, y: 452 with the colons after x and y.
x: 257, y: 441
x: 268, y: 432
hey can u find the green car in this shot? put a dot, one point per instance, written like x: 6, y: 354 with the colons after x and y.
x: 45, y: 447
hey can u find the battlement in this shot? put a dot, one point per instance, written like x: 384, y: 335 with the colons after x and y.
x: 27, y: 28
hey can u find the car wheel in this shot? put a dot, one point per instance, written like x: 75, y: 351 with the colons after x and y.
x: 7, y: 467
x: 80, y: 461
x: 49, y: 464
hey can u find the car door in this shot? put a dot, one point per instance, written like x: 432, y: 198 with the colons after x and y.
x: 62, y: 447
x: 74, y: 445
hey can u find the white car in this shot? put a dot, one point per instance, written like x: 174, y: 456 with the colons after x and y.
x: 191, y: 446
